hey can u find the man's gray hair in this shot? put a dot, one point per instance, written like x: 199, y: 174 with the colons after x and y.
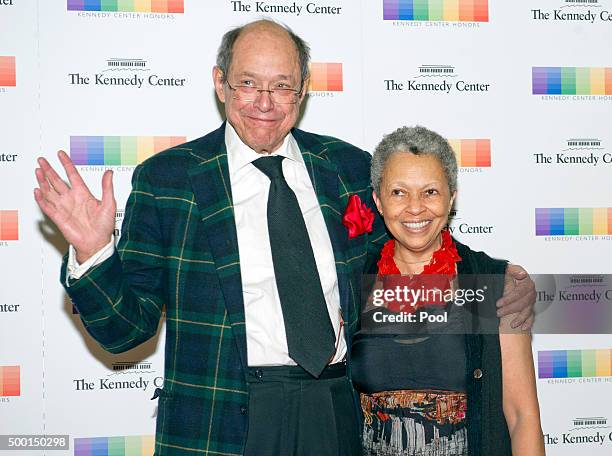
x: 224, y: 54
x: 419, y: 141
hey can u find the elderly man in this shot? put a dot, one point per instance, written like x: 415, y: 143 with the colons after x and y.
x: 239, y: 235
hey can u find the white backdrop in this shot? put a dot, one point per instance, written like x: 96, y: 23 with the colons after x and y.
x: 54, y: 379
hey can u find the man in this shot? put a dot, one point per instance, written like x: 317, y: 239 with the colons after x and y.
x: 239, y: 235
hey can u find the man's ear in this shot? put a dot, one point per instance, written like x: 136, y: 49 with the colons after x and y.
x: 377, y: 202
x: 219, y: 82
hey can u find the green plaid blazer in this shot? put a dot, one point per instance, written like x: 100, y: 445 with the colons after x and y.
x: 179, y: 252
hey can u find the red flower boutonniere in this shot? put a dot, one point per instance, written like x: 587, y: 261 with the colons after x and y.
x: 358, y: 217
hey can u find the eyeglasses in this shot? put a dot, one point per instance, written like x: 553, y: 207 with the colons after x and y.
x: 280, y: 95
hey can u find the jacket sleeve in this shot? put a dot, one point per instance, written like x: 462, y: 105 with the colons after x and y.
x: 120, y: 300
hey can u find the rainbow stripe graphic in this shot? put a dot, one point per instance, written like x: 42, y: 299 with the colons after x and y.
x: 571, y: 81
x: 472, y: 152
x: 8, y: 76
x: 118, y: 150
x: 137, y: 445
x: 573, y: 222
x: 9, y: 225
x: 575, y: 363
x: 436, y: 10
x: 128, y: 6
x: 10, y: 381
x: 325, y: 77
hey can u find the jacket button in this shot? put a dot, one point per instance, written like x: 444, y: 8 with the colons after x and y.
x: 477, y: 373
x: 243, y: 409
x: 259, y: 374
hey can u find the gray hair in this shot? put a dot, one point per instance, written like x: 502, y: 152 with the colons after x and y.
x: 419, y: 141
x: 224, y: 54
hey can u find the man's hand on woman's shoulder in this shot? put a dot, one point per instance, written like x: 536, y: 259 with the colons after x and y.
x: 519, y: 297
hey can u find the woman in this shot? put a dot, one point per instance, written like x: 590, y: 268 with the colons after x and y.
x: 452, y: 391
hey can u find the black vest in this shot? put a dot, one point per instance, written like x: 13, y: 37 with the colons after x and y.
x: 486, y: 424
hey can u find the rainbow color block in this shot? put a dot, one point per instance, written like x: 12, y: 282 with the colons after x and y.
x: 436, y: 10
x: 571, y: 81
x: 325, y: 77
x: 128, y: 6
x: 573, y: 221
x: 8, y: 77
x: 9, y: 226
x: 575, y: 363
x: 10, y: 381
x: 472, y: 152
x: 118, y: 150
x: 136, y: 445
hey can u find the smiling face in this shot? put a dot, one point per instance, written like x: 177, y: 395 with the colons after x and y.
x: 415, y: 202
x: 265, y: 56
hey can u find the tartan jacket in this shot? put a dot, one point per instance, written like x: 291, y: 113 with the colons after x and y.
x: 179, y: 251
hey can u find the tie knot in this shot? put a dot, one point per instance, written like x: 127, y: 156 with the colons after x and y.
x: 270, y: 166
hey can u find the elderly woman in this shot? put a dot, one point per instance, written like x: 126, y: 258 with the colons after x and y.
x: 453, y: 391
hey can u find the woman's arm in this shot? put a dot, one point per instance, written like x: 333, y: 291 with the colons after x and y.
x: 520, y: 400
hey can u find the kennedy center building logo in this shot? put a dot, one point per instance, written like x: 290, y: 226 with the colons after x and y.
x: 443, y: 79
x: 574, y: 11
x: 127, y: 376
x: 128, y: 73
x: 135, y: 445
x: 592, y: 431
x: 577, y: 152
x: 595, y: 421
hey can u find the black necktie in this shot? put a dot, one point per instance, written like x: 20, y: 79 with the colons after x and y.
x: 310, y: 335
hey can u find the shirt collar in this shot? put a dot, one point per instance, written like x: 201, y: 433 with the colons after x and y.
x: 239, y: 154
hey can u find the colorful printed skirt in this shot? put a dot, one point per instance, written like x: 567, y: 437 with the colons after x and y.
x: 414, y: 423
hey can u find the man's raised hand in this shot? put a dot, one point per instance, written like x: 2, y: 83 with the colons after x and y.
x: 86, y: 222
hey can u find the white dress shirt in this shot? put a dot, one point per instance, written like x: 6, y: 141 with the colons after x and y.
x: 265, y: 327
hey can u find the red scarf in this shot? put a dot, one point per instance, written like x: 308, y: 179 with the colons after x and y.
x: 443, y: 266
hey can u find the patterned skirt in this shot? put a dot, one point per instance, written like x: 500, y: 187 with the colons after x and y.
x: 414, y: 423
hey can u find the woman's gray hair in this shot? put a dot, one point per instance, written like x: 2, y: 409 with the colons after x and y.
x: 224, y: 54
x: 419, y: 141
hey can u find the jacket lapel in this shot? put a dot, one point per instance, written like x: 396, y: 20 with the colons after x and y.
x: 213, y: 194
x: 324, y: 176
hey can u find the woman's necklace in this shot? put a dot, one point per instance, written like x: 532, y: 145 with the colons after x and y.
x: 443, y: 260
x: 438, y: 273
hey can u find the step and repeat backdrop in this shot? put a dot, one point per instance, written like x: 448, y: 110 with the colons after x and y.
x: 522, y: 89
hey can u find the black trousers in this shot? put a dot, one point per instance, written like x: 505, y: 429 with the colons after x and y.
x: 294, y: 414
